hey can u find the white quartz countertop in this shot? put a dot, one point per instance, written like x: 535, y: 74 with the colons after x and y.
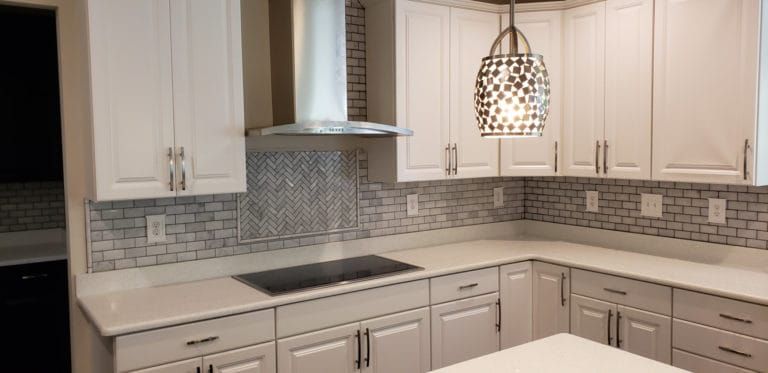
x: 559, y: 353
x: 135, y: 310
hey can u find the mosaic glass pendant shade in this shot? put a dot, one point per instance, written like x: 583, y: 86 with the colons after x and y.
x: 512, y: 92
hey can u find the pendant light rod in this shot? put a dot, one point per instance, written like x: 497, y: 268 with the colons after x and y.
x: 513, y: 35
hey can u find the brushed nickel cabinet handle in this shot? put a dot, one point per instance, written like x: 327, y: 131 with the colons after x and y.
x: 621, y: 292
x: 455, y: 159
x: 737, y: 352
x: 183, y: 169
x: 468, y: 286
x: 555, y: 156
x: 746, y: 149
x: 171, y: 169
x: 734, y: 318
x: 605, y: 156
x: 448, y: 159
x: 597, y: 157
x: 204, y: 340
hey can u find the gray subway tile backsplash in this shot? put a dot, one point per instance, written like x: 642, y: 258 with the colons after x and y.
x: 31, y: 206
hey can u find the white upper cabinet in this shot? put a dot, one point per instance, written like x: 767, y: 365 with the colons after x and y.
x: 628, y: 78
x: 472, y: 33
x: 538, y: 156
x: 208, y: 95
x: 584, y: 90
x: 166, y: 75
x: 704, y: 90
x: 132, y: 98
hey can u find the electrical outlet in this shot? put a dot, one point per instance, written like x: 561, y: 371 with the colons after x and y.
x: 412, y: 202
x: 651, y: 205
x: 155, y: 228
x: 717, y: 209
x: 498, y: 197
x: 593, y: 201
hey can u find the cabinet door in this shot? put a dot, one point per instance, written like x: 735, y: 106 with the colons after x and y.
x: 704, y: 102
x: 593, y: 319
x: 132, y: 98
x: 516, y: 283
x: 472, y: 33
x: 551, y: 290
x: 326, y: 351
x: 583, y: 97
x: 536, y: 156
x: 464, y: 329
x: 208, y: 96
x: 628, y: 78
x: 254, y: 359
x: 645, y: 334
x: 422, y: 94
x: 184, y: 366
x: 397, y: 343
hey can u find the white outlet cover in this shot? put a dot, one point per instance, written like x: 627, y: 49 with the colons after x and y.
x: 498, y: 197
x: 592, y: 201
x: 717, y: 209
x: 412, y: 205
x: 651, y: 205
x: 155, y: 228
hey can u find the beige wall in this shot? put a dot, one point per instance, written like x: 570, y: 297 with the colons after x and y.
x: 75, y: 106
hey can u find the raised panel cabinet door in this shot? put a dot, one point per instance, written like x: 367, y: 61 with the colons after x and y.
x: 704, y: 105
x: 538, y: 156
x: 644, y: 333
x: 628, y: 89
x: 593, y: 319
x: 184, y: 366
x: 132, y: 98
x: 422, y: 33
x: 464, y: 329
x: 584, y: 89
x: 472, y: 33
x: 397, y: 343
x: 253, y: 359
x: 516, y: 296
x: 331, y: 350
x: 551, y: 290
x: 208, y: 96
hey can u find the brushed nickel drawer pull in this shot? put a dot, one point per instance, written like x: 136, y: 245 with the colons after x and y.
x: 448, y: 159
x: 737, y: 352
x: 597, y: 157
x: 734, y: 318
x: 204, y: 340
x: 467, y: 287
x: 171, y: 169
x: 615, y: 291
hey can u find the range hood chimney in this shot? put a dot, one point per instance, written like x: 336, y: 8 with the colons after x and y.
x: 308, y: 58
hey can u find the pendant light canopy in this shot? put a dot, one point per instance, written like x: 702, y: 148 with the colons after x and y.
x: 512, y: 90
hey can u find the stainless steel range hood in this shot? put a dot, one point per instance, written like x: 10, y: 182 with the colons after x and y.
x: 308, y: 58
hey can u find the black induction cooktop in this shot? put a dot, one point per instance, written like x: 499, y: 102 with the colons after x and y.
x: 336, y: 272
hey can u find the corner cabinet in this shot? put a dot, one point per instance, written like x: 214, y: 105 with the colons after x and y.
x: 167, y: 98
x: 435, y: 50
x: 551, y: 299
x: 705, y: 91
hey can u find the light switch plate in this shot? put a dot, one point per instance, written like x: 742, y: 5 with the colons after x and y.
x: 155, y: 228
x: 593, y: 201
x: 498, y: 197
x: 412, y: 202
x: 651, y: 205
x: 717, y: 207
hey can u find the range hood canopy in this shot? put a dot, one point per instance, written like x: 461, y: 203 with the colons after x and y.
x: 308, y: 58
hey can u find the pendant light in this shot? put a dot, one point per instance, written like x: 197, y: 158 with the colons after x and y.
x: 512, y: 90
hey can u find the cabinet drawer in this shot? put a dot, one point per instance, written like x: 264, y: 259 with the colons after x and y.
x: 322, y: 313
x: 720, y: 345
x: 723, y: 313
x: 633, y: 293
x: 139, y: 350
x: 464, y: 285
x: 699, y: 364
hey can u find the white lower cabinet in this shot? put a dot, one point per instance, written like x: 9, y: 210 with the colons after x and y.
x: 184, y: 366
x: 700, y: 364
x: 591, y: 319
x: 253, y: 359
x: 464, y: 329
x: 390, y: 344
x: 516, y: 297
x: 551, y: 289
